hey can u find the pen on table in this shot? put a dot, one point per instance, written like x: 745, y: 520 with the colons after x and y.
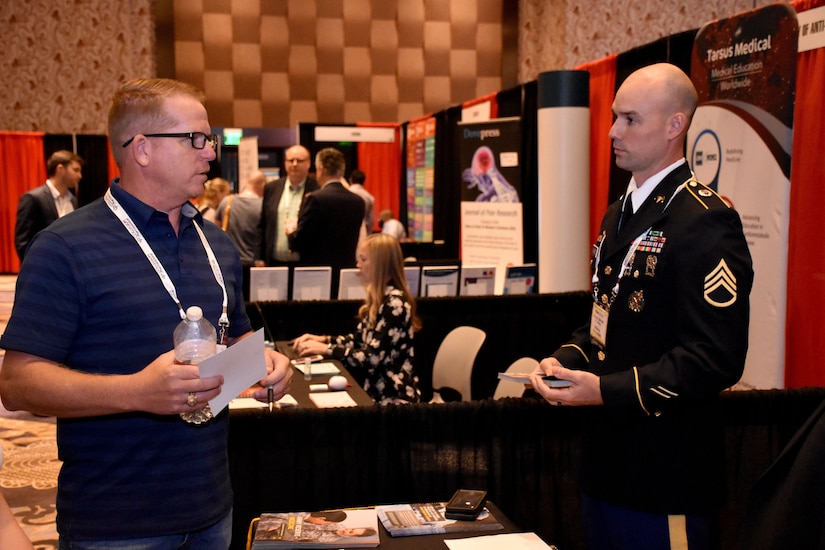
x: 270, y: 397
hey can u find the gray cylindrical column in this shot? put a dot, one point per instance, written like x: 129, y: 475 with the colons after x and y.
x: 564, y: 181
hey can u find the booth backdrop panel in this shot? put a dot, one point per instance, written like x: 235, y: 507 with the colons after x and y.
x: 381, y: 163
x: 602, y: 88
x: 522, y: 102
x: 94, y: 150
x: 447, y: 190
x: 804, y: 332
x: 22, y: 167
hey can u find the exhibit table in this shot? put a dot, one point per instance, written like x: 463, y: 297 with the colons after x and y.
x: 523, y: 452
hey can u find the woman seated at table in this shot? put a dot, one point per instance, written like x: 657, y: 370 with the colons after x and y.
x: 380, y: 351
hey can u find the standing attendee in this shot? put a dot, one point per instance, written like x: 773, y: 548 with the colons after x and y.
x: 330, y: 221
x: 43, y: 205
x: 391, y: 226
x: 668, y: 331
x: 90, y: 337
x: 356, y: 185
x: 281, y: 204
x: 239, y: 215
x: 213, y: 194
x: 380, y: 351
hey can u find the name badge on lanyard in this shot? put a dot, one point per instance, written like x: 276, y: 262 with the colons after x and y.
x: 601, y: 310
x: 598, y: 325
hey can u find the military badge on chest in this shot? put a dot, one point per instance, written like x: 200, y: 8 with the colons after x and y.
x: 636, y: 301
x: 650, y: 248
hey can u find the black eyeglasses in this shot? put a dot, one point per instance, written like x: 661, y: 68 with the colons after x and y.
x: 198, y: 139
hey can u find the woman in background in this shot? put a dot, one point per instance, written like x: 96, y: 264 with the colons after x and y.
x: 214, y: 192
x: 380, y: 352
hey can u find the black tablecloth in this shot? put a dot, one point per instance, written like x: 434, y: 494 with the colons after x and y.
x: 523, y: 452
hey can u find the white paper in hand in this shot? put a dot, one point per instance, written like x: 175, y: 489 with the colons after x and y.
x: 242, y: 365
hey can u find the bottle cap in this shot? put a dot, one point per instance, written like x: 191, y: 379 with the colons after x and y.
x: 194, y: 313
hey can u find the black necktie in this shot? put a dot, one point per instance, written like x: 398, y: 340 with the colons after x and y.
x: 627, y: 213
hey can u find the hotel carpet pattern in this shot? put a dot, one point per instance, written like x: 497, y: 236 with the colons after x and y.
x: 28, y: 478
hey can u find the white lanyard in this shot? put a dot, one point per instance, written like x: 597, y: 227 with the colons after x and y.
x: 130, y: 226
x: 631, y: 251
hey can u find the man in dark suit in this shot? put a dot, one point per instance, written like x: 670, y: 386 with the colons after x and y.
x: 668, y: 331
x: 281, y: 204
x: 42, y: 205
x: 331, y: 218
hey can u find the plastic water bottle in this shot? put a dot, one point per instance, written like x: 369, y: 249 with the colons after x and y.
x: 195, y: 340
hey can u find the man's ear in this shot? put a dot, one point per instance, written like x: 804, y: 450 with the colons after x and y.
x: 140, y: 150
x: 677, y: 125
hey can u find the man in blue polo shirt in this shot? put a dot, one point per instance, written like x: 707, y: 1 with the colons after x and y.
x: 90, y: 337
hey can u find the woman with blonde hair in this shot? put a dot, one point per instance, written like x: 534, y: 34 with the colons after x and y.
x: 214, y: 192
x: 380, y: 352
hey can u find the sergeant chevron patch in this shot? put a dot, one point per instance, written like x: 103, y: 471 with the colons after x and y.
x: 720, y: 286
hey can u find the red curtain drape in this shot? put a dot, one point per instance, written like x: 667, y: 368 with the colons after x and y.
x: 22, y: 167
x: 804, y: 329
x: 381, y: 163
x: 602, y: 88
x: 114, y: 171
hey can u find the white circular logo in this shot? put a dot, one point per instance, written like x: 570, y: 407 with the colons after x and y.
x: 707, y: 158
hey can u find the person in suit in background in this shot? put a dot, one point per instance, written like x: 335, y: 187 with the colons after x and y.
x: 279, y: 211
x: 672, y: 276
x: 38, y: 208
x: 356, y: 185
x: 330, y: 220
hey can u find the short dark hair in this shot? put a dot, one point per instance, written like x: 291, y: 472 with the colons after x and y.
x: 357, y: 176
x: 61, y: 158
x: 331, y: 161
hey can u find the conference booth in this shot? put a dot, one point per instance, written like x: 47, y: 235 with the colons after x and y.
x: 522, y: 451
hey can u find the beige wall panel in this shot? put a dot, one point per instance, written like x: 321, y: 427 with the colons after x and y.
x: 421, y: 45
x: 247, y: 113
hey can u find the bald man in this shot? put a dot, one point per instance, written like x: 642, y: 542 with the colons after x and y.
x: 281, y: 203
x: 668, y: 332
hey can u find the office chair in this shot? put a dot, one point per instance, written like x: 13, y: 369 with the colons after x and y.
x: 453, y: 365
x: 507, y: 388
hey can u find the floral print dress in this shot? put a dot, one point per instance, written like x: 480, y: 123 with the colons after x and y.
x: 382, y: 357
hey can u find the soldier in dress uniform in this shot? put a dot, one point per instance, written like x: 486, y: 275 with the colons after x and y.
x: 671, y: 274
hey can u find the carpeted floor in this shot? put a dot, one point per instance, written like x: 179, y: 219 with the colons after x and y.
x: 28, y: 478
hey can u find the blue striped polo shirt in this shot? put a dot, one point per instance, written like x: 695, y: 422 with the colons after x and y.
x: 88, y: 298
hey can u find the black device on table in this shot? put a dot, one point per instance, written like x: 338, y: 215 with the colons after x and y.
x: 466, y: 504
